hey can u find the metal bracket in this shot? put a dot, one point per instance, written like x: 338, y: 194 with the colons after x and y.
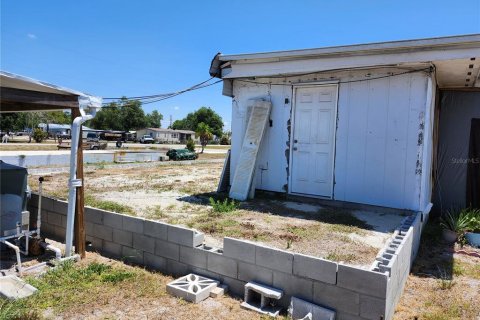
x: 77, y: 183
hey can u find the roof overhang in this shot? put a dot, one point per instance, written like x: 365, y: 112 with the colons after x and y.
x: 457, y: 59
x: 23, y: 94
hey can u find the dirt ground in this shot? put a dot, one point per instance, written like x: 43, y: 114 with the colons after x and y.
x: 179, y: 194
x: 444, y: 284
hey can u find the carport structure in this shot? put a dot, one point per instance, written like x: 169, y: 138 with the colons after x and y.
x: 22, y: 94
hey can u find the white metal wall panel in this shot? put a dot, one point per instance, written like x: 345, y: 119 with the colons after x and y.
x: 376, y: 140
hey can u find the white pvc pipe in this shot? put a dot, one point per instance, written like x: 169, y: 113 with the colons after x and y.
x: 17, y: 252
x: 74, y: 183
x: 58, y: 252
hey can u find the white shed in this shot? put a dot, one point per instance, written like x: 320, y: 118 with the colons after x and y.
x: 354, y: 123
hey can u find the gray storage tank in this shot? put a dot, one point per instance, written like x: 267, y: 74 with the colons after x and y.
x: 13, y: 192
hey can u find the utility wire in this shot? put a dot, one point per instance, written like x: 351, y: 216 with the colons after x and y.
x: 347, y: 81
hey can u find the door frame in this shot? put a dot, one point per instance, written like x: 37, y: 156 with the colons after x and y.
x: 292, y: 131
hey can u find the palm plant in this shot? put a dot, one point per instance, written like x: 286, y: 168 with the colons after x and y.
x: 457, y: 220
x: 205, y: 134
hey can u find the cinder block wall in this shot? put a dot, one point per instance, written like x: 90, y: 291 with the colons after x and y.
x: 352, y: 292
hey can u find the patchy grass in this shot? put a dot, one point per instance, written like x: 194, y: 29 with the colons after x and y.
x: 442, y: 285
x: 100, y: 288
x: 109, y: 205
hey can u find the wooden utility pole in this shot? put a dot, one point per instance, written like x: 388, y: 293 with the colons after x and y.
x: 79, y: 229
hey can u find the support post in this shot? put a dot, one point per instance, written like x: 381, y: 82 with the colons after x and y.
x: 79, y: 230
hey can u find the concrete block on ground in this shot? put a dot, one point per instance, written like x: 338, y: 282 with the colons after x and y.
x: 143, y: 243
x: 154, y: 262
x: 13, y: 288
x: 219, y: 291
x: 89, y: 231
x: 274, y: 259
x: 222, y: 265
x: 55, y: 219
x: 94, y: 215
x: 122, y: 237
x: 239, y: 249
x: 336, y: 298
x: 235, y: 287
x: 132, y: 224
x: 132, y: 255
x: 362, y: 281
x: 113, y: 220
x: 155, y: 229
x: 167, y: 250
x: 194, y: 257
x: 300, y: 309
x: 315, y: 268
x: 262, y: 299
x: 96, y: 243
x: 103, y: 232
x: 293, y: 286
x: 184, y: 236
x: 47, y: 203
x: 372, y: 308
x: 112, y: 249
x: 192, y: 287
x: 253, y: 273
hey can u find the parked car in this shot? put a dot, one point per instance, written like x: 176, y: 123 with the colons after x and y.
x: 146, y: 139
x: 93, y: 137
x: 181, y: 154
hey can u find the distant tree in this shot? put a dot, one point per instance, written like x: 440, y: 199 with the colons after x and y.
x: 125, y: 115
x: 154, y: 119
x: 190, y: 145
x: 23, y: 120
x: 204, y: 133
x: 205, y: 115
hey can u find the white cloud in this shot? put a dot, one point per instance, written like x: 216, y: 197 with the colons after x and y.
x: 176, y: 108
x: 31, y: 36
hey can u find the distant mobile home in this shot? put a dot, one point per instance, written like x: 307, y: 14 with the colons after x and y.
x: 393, y: 124
x: 161, y: 135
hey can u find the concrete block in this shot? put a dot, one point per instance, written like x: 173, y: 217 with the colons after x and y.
x: 167, y: 250
x: 47, y: 203
x: 235, y: 287
x: 362, y: 281
x: 372, y: 308
x: 315, y: 268
x: 132, y: 224
x: 154, y: 262
x: 55, y: 219
x: 300, y: 309
x: 96, y: 243
x: 177, y: 268
x: 238, y: 249
x: 89, y: 231
x: 222, y: 265
x: 59, y: 233
x: 194, y: 257
x: 122, y: 237
x: 262, y: 299
x: 60, y: 206
x: 112, y: 249
x: 192, y: 287
x: 155, y: 229
x: 13, y: 288
x: 218, y: 291
x: 250, y: 272
x: 274, y: 259
x: 336, y: 298
x: 143, y: 243
x: 293, y: 286
x: 94, y: 215
x: 184, y: 236
x: 132, y: 255
x: 103, y: 232
x: 347, y: 316
x: 113, y: 220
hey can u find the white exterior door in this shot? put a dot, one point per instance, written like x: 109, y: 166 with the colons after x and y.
x: 313, y: 143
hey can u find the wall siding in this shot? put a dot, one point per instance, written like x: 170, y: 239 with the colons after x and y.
x: 378, y: 127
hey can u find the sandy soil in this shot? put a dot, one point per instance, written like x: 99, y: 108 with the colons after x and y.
x: 179, y: 193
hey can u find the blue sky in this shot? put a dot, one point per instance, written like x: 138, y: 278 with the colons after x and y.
x: 115, y: 48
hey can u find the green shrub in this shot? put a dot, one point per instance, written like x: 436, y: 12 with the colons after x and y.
x: 39, y: 135
x: 224, y: 206
x: 456, y: 220
x: 224, y: 140
x: 190, y: 145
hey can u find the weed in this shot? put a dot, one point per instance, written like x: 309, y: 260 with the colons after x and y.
x: 109, y: 205
x: 335, y: 256
x: 223, y: 206
x: 155, y: 212
x: 444, y: 282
